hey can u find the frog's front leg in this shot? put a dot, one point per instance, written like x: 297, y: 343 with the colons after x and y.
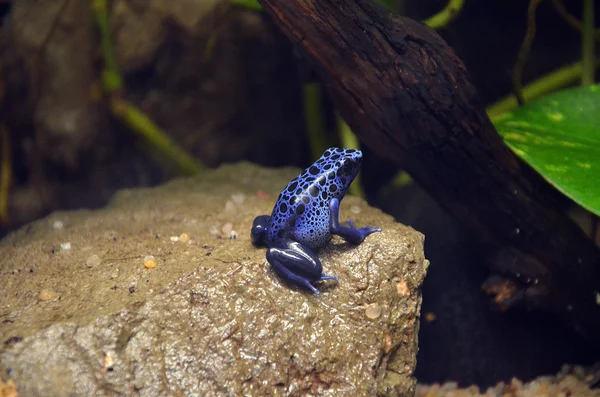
x: 296, y: 263
x: 350, y: 234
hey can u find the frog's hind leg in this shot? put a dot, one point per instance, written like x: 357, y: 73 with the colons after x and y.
x: 279, y: 268
x: 296, y: 263
x: 350, y: 234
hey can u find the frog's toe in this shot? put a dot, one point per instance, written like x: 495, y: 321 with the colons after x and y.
x: 327, y: 277
x: 369, y: 230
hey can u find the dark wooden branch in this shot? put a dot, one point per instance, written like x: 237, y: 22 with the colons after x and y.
x: 407, y: 95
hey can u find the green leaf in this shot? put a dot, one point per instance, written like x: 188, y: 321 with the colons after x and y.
x: 559, y: 136
x: 252, y: 4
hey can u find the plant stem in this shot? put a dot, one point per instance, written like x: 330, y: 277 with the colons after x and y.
x: 570, y: 19
x: 524, y: 51
x: 141, y: 124
x: 111, y: 77
x: 153, y: 135
x: 445, y: 16
x: 588, y: 44
x: 551, y: 82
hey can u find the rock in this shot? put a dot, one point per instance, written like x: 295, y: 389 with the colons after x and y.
x: 211, y: 318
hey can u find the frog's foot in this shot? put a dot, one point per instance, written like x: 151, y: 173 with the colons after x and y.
x: 350, y: 234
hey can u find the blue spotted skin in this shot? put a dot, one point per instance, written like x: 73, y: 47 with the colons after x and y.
x: 306, y: 215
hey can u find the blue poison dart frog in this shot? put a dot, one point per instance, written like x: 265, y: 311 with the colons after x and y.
x: 306, y: 215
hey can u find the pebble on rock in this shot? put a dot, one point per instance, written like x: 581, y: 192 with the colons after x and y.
x: 402, y: 288
x: 93, y: 260
x: 46, y: 294
x: 373, y: 310
x: 150, y: 262
x: 184, y: 237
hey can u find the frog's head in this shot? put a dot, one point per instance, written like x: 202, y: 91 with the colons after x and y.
x: 345, y: 163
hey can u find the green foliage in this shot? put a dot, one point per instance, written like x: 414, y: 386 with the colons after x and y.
x: 252, y: 4
x: 559, y: 136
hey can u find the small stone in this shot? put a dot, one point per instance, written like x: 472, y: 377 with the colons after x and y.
x: 233, y: 235
x: 387, y: 342
x: 115, y: 274
x: 184, y: 237
x: 57, y: 225
x: 93, y: 261
x: 65, y: 246
x: 227, y: 228
x: 373, y: 310
x: 402, y: 288
x: 355, y: 209
x: 150, y: 262
x: 46, y: 294
x: 238, y: 198
x: 174, y: 239
x: 109, y: 362
x: 213, y: 231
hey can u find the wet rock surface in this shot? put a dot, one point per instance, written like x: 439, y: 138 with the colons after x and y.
x: 83, y: 313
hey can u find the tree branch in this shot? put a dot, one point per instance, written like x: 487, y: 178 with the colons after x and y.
x: 408, y: 97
